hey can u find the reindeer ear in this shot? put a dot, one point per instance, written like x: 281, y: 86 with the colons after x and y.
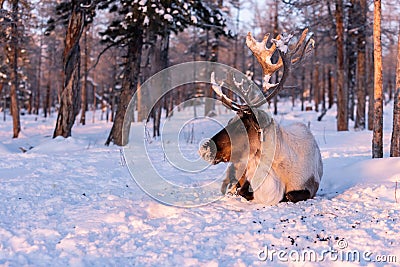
x: 263, y: 118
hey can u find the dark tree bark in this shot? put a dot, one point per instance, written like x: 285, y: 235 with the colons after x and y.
x: 351, y: 56
x: 85, y: 75
x: 209, y: 102
x: 377, y: 142
x: 129, y: 86
x: 370, y: 88
x: 39, y: 78
x: 303, y: 87
x: 324, y: 85
x: 14, y: 70
x: 316, y: 86
x: 311, y: 83
x: 342, y: 97
x: 276, y: 32
x: 70, y: 94
x: 47, y: 101
x: 395, y: 141
x: 161, y: 56
x: 331, y: 97
x: 360, y: 5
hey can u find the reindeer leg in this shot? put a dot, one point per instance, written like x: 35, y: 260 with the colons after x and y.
x: 296, y: 196
x: 246, y: 191
x: 235, y: 189
x: 229, y: 180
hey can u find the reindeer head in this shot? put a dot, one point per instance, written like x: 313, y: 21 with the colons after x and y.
x: 241, y: 139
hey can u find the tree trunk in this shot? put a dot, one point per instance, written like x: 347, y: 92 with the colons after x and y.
x: 209, y: 104
x: 390, y: 89
x: 303, y: 89
x: 46, y: 106
x: 370, y: 88
x: 47, y: 101
x: 342, y: 97
x: 311, y: 90
x: 85, y: 75
x: 70, y: 94
x: 395, y: 142
x: 324, y: 85
x: 14, y: 70
x: 316, y: 87
x: 377, y: 142
x: 161, y: 63
x: 118, y: 134
x: 361, y: 72
x: 276, y: 32
x: 39, y: 79
x: 331, y: 95
x: 351, y: 57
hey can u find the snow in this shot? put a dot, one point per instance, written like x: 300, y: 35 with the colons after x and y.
x: 193, y: 19
x: 281, y: 45
x: 160, y: 11
x: 146, y: 21
x: 72, y: 202
x: 168, y: 17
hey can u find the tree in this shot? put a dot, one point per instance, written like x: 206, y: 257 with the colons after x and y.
x: 129, y: 85
x: 70, y: 94
x: 377, y: 141
x: 361, y: 9
x: 351, y: 56
x: 395, y: 141
x: 342, y: 97
x: 13, y: 56
x: 85, y: 80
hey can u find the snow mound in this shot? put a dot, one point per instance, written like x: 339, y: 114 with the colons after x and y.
x: 60, y: 145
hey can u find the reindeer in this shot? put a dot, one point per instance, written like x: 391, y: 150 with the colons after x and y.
x: 269, y: 163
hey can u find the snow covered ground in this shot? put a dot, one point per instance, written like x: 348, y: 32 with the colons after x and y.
x: 72, y: 202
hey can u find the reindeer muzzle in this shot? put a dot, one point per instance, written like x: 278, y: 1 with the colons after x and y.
x: 208, y: 152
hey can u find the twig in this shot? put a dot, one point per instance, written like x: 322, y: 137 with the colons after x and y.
x: 395, y: 192
x: 322, y: 115
x: 122, y: 158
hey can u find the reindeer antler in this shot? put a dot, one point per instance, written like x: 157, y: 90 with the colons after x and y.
x: 229, y: 103
x: 287, y: 59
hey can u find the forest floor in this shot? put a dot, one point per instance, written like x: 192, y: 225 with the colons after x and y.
x: 73, y: 202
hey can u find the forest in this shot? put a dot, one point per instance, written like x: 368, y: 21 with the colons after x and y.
x: 68, y: 58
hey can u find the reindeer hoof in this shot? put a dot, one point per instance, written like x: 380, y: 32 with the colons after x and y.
x: 233, y: 190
